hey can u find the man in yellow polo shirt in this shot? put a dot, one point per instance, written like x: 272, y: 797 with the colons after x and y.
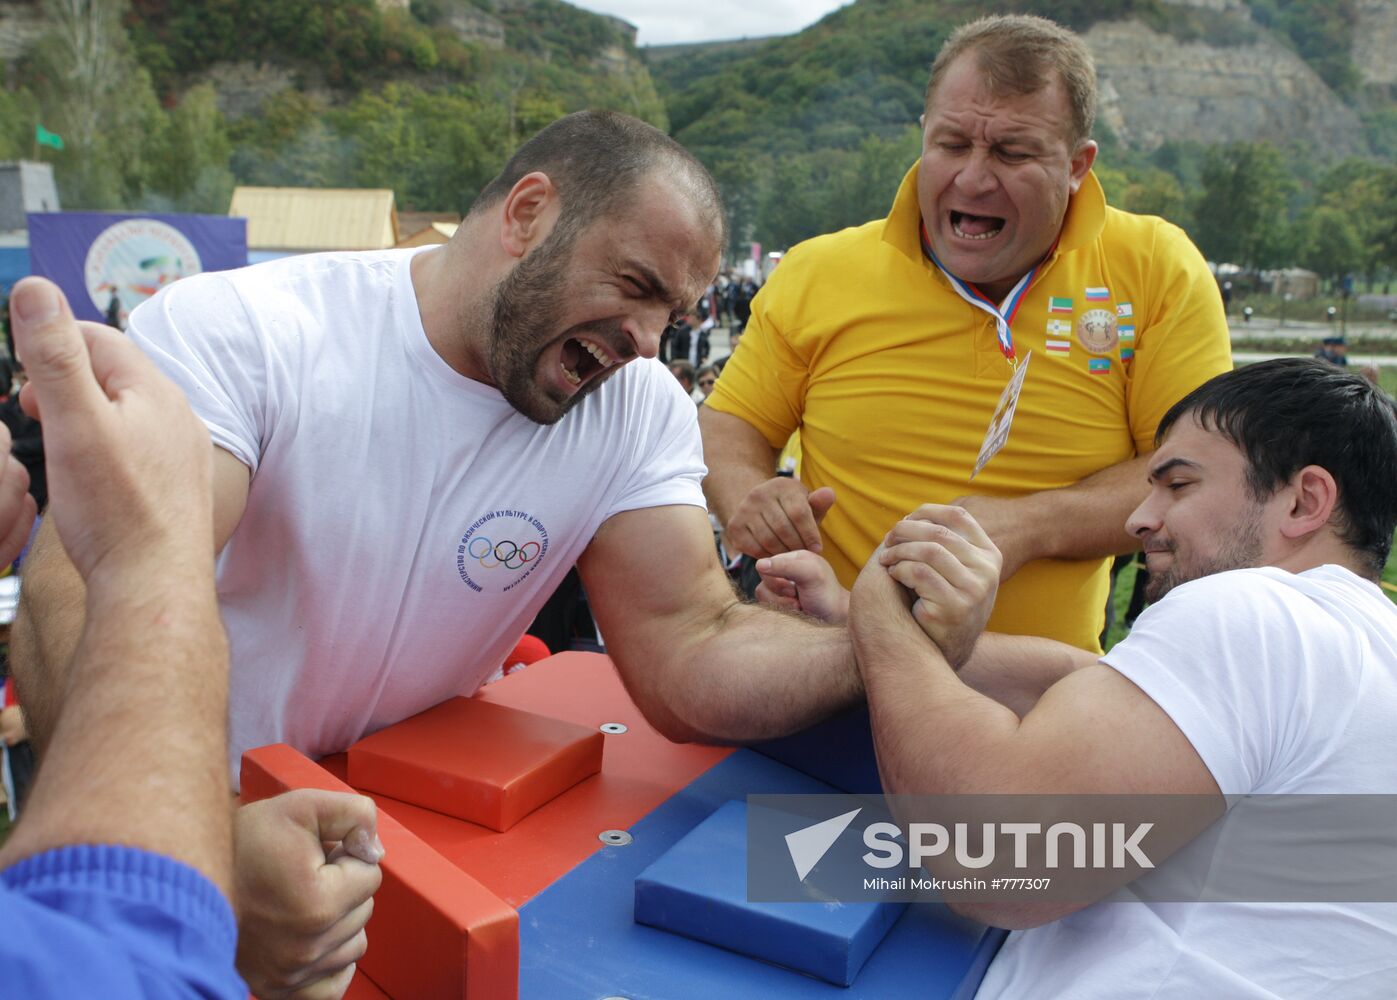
x: 887, y: 346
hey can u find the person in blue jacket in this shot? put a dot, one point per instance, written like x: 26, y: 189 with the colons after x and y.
x: 115, y: 882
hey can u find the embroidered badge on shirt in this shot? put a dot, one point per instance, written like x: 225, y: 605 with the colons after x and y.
x: 1098, y: 294
x: 1099, y: 366
x: 1096, y: 331
x: 1123, y: 310
x: 1056, y: 305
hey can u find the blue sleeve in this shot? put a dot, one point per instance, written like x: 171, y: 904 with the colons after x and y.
x: 114, y: 922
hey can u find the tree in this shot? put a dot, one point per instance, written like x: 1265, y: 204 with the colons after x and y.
x: 19, y: 112
x: 190, y: 166
x: 435, y: 150
x: 791, y: 202
x: 1330, y: 245
x: 1385, y: 229
x: 287, y: 144
x: 1156, y: 192
x: 1362, y: 194
x: 93, y: 93
x: 1240, y: 217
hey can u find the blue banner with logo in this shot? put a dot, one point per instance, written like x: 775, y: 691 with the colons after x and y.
x: 108, y: 263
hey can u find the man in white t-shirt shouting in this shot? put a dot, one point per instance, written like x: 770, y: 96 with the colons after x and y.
x: 1268, y: 666
x: 412, y: 448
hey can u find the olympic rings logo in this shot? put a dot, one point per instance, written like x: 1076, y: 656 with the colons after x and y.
x: 510, y: 555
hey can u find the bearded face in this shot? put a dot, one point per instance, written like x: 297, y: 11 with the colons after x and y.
x: 540, y: 371
x: 594, y: 295
x: 1233, y: 546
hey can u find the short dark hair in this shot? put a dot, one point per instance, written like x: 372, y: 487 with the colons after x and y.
x: 682, y: 369
x: 1288, y: 413
x: 596, y: 159
x: 1018, y: 55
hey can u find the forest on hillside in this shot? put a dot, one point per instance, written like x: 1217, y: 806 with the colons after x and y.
x: 374, y: 98
x: 806, y: 133
x: 812, y: 132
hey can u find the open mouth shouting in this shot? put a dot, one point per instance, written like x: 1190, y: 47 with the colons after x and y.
x: 976, y: 227
x: 582, y: 359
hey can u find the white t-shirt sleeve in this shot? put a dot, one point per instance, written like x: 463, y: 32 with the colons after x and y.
x: 199, y: 334
x: 667, y: 462
x: 1235, y: 660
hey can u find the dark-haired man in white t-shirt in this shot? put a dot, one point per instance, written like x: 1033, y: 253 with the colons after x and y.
x: 1267, y: 666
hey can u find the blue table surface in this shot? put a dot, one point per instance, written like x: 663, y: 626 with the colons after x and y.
x: 579, y: 939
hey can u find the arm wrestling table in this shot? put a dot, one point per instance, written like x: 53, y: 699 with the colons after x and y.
x: 544, y: 910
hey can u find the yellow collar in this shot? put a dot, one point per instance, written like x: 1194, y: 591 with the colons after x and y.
x: 1086, y: 215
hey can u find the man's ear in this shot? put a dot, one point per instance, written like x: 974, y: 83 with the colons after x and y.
x: 1314, y: 495
x: 528, y: 213
x: 1081, y: 163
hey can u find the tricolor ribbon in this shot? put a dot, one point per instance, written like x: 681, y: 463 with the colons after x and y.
x: 1003, y: 313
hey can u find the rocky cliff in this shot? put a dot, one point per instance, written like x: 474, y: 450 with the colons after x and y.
x: 1375, y: 42
x: 1155, y: 88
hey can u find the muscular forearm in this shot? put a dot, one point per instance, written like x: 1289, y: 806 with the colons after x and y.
x: 1087, y: 519
x: 1015, y: 670
x: 1083, y: 521
x: 935, y: 735
x: 141, y: 738
x: 45, y: 633
x: 756, y: 674
x: 738, y: 457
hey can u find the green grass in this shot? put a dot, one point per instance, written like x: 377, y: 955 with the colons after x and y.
x: 1315, y: 310
x: 1387, y: 378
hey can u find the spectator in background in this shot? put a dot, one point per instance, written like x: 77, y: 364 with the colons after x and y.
x: 1334, y: 350
x: 17, y: 759
x: 706, y: 321
x: 26, y: 439
x: 707, y: 377
x: 684, y: 372
x: 722, y: 295
x: 743, y: 294
x: 114, y: 312
x: 734, y: 335
x: 686, y: 339
x: 676, y: 339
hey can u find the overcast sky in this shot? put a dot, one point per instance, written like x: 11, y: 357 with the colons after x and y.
x: 664, y: 21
